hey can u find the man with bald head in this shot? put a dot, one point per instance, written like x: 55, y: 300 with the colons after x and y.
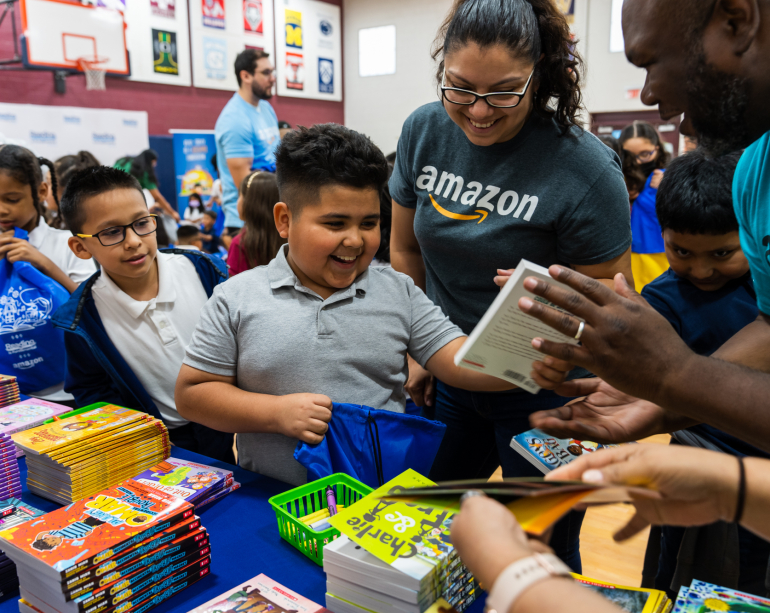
x: 708, y: 60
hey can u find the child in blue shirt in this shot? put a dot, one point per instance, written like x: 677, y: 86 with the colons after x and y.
x: 708, y: 295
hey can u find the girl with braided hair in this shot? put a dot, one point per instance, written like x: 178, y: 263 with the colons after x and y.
x: 22, y: 194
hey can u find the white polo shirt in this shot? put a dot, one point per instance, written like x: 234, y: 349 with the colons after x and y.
x: 152, y: 336
x: 52, y: 243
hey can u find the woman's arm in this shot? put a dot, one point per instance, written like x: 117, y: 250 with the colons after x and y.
x: 606, y: 271
x: 163, y: 203
x: 405, y: 253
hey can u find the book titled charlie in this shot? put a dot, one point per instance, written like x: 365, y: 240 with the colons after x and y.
x: 548, y: 452
x: 186, y: 479
x: 92, y: 530
x: 501, y: 343
x: 259, y: 593
x: 411, y: 538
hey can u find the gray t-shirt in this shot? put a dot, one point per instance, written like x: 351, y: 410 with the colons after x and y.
x: 550, y: 199
x: 278, y: 337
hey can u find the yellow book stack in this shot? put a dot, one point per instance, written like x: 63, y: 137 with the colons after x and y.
x: 78, y: 456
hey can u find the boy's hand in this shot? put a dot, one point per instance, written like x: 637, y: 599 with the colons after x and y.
x: 305, y: 417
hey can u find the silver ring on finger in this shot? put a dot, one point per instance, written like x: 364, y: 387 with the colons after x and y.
x: 471, y: 494
x: 581, y: 327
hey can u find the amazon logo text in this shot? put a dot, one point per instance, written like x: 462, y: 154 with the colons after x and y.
x: 485, y: 199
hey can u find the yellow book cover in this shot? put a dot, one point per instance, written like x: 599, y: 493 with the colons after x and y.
x: 109, y: 453
x: 94, y: 444
x: 632, y: 599
x: 412, y: 538
x: 77, y: 428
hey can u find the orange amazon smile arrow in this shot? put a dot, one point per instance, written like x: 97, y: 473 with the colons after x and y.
x: 482, y: 214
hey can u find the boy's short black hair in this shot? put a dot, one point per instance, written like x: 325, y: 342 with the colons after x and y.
x: 326, y: 154
x: 187, y: 233
x: 696, y: 194
x: 91, y: 182
x: 212, y: 214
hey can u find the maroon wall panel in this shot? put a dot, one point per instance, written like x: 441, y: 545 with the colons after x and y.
x: 168, y: 107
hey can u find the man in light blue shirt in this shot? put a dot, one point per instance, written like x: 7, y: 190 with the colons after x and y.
x: 246, y: 130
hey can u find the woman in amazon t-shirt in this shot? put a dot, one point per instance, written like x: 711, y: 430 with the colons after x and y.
x: 495, y: 172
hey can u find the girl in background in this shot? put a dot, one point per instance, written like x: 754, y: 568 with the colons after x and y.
x: 64, y: 168
x: 258, y: 241
x: 194, y: 211
x: 643, y: 148
x: 22, y: 194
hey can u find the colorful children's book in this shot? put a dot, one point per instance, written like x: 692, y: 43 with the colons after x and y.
x: 188, y: 480
x: 414, y: 539
x: 548, y: 452
x: 702, y: 597
x: 27, y: 414
x: 631, y: 599
x: 77, y: 429
x: 87, y: 532
x: 260, y: 594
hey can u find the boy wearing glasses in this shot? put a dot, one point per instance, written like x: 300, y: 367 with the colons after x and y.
x: 129, y: 324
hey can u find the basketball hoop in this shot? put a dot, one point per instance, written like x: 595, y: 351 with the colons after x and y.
x: 95, y: 74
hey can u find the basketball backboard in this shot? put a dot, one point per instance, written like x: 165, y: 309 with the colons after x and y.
x: 62, y: 34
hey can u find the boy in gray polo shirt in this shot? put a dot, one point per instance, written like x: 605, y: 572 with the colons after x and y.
x: 276, y: 344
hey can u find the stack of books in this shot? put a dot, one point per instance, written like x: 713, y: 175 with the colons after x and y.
x: 547, y: 452
x: 10, y: 480
x: 198, y: 484
x: 259, y: 594
x: 393, y: 557
x: 13, y: 512
x: 9, y: 390
x: 630, y: 599
x: 127, y: 548
x: 80, y: 455
x: 701, y: 597
x: 28, y: 414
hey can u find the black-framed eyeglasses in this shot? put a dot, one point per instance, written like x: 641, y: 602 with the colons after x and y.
x: 500, y: 100
x: 115, y: 235
x: 643, y: 156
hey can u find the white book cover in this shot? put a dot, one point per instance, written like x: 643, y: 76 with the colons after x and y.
x: 501, y: 343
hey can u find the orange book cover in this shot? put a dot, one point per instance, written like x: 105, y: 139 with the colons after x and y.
x: 94, y: 529
x: 75, y: 429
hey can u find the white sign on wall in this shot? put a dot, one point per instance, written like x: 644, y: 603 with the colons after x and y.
x: 377, y: 51
x: 158, y: 42
x: 54, y: 131
x: 308, y: 49
x: 220, y: 30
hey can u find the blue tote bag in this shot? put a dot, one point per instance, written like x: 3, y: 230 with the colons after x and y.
x: 372, y: 446
x: 32, y: 349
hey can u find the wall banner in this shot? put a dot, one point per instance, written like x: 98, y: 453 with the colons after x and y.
x: 54, y: 131
x: 213, y: 13
x: 163, y: 8
x: 164, y: 52
x: 215, y: 58
x: 252, y: 16
x: 192, y: 164
x: 308, y: 50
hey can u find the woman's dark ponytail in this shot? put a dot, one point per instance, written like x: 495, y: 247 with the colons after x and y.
x: 528, y: 28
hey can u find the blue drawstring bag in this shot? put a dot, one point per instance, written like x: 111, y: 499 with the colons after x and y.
x: 372, y: 446
x: 32, y: 349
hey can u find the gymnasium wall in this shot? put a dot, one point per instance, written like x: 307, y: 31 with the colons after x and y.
x: 169, y: 107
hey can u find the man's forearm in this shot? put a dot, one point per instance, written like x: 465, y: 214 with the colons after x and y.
x: 749, y: 347
x: 728, y: 396
x: 226, y: 408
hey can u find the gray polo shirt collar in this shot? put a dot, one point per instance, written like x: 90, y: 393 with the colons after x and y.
x: 280, y: 274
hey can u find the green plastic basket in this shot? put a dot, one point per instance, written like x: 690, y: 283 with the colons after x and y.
x: 307, y: 499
